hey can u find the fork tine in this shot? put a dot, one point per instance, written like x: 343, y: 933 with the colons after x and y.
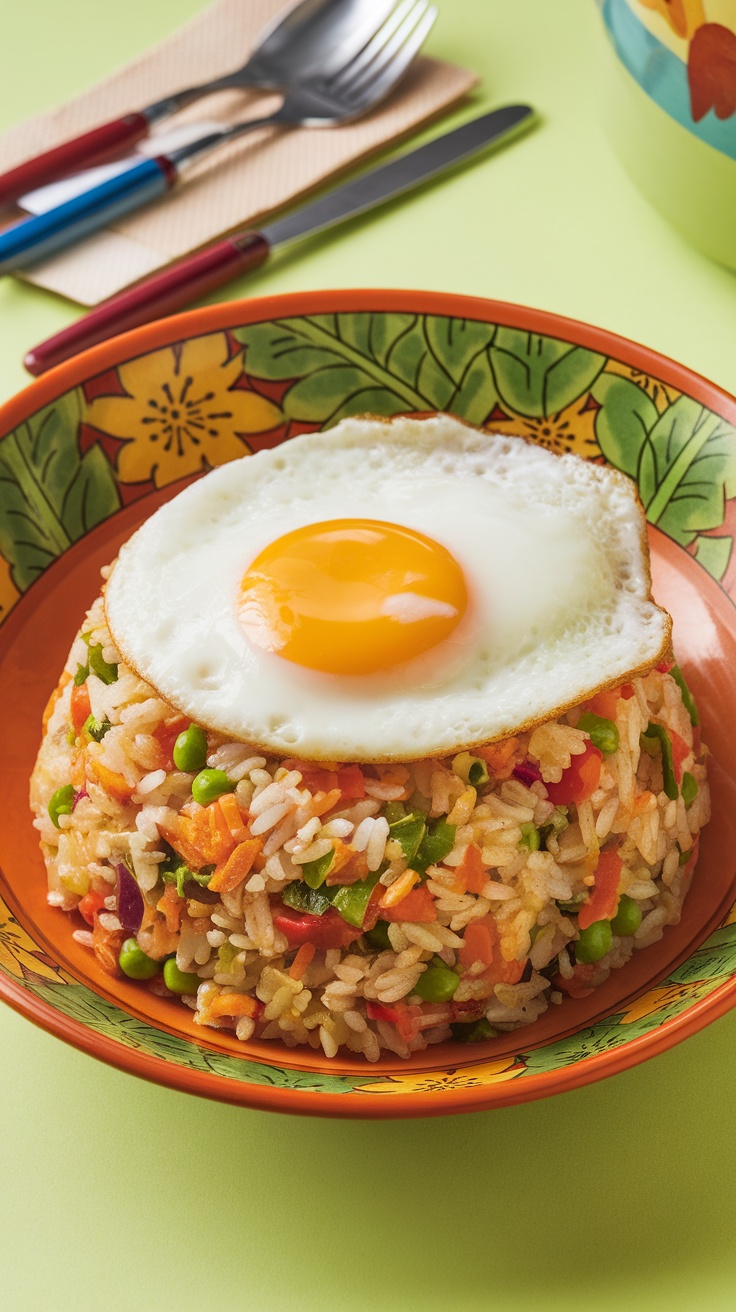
x: 369, y: 52
x: 373, y: 85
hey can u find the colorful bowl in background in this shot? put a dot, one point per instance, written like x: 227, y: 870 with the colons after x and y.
x: 669, y: 107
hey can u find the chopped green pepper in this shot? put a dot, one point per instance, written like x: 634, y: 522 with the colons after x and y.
x: 684, y: 856
x: 61, y: 803
x: 352, y: 900
x: 658, y: 734
x: 378, y: 937
x: 573, y: 905
x: 688, y: 700
x: 105, y: 670
x: 315, y: 872
x: 473, y: 1031
x: 602, y: 733
x: 556, y: 824
x: 689, y: 788
x: 96, y: 729
x: 408, y: 831
x: 394, y: 811
x: 301, y: 897
x: 530, y: 836
x: 436, y: 844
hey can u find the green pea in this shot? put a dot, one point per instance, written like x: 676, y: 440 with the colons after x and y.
x: 179, y: 981
x: 60, y: 803
x: 594, y: 942
x: 627, y: 918
x: 530, y: 836
x: 473, y: 1031
x: 689, y: 788
x: 602, y: 733
x: 437, y: 984
x: 190, y: 749
x: 208, y: 785
x: 134, y: 963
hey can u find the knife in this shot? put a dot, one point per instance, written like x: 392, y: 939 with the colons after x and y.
x: 193, y: 277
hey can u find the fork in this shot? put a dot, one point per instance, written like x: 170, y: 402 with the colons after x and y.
x: 318, y: 101
x: 312, y: 34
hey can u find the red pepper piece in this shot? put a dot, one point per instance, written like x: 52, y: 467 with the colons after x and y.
x: 603, y: 897
x: 326, y: 931
x: 580, y: 780
x: 406, y: 1018
x: 89, y: 905
x: 350, y: 781
x: 680, y: 751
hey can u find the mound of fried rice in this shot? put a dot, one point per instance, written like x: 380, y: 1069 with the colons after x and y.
x: 520, y: 849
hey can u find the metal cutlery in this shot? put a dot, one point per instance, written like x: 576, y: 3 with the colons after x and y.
x: 318, y: 101
x: 198, y: 274
x: 313, y: 35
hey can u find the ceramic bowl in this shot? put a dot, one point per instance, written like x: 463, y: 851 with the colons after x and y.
x: 90, y: 450
x: 668, y: 91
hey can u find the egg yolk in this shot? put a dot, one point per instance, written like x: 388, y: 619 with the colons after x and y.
x: 352, y: 596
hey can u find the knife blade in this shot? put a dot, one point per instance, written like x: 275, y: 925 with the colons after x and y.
x: 177, y: 286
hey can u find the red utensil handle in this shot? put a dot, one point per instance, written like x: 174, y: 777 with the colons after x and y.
x: 103, y: 143
x: 153, y: 298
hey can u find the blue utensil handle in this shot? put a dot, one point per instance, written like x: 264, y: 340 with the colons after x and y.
x: 35, y: 238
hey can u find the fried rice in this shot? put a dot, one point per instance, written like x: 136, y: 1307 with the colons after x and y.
x: 366, y: 907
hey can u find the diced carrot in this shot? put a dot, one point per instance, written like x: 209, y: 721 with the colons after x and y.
x: 355, y: 868
x: 172, y: 906
x: 479, y: 943
x: 201, y: 839
x: 603, y: 898
x: 79, y: 706
x: 319, y: 781
x: 497, y: 756
x: 324, y: 802
x: 418, y: 907
x: 302, y: 960
x: 680, y: 752
x: 114, y: 784
x: 351, y: 782
x: 235, y: 1004
x: 234, y: 817
x: 605, y: 703
x: 471, y: 875
x: 88, y: 905
x: 237, y: 866
x: 398, y: 891
x: 166, y: 735
x: 641, y: 803
x: 107, y: 944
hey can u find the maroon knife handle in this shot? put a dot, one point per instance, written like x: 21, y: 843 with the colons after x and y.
x: 153, y: 298
x: 103, y: 143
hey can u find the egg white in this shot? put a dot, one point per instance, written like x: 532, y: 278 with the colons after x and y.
x: 553, y: 550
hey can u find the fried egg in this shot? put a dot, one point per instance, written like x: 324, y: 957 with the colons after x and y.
x: 389, y: 590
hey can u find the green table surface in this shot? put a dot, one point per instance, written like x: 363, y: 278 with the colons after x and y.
x: 117, y: 1194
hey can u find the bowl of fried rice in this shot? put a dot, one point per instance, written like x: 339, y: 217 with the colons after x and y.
x: 450, y: 929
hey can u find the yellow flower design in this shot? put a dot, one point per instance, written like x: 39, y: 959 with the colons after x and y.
x: 9, y: 594
x: 661, y: 394
x: 182, y: 412
x: 572, y: 429
x: 655, y: 1000
x: 471, y: 1077
x: 18, y: 951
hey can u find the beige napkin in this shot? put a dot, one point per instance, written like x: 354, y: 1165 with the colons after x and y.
x: 233, y: 186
